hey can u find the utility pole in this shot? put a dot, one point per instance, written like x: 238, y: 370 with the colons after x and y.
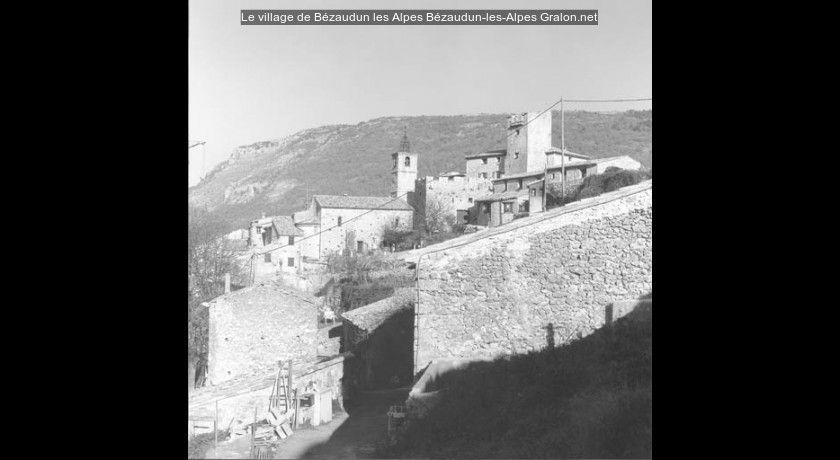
x: 563, y: 156
x: 203, y: 156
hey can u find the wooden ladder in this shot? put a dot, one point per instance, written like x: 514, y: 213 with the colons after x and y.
x: 280, y: 401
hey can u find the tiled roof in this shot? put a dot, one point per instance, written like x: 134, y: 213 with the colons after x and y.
x: 488, y: 153
x: 568, y: 153
x: 362, y: 202
x: 305, y: 217
x: 371, y: 316
x: 576, y: 164
x: 504, y: 196
x: 519, y: 175
x: 601, y: 160
x: 285, y: 226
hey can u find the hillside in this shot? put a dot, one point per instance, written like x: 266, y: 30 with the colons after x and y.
x: 276, y: 176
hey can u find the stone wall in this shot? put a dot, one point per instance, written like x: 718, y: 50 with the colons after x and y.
x: 476, y: 167
x: 251, y: 329
x: 329, y: 340
x: 366, y: 228
x: 554, y: 273
x: 453, y: 193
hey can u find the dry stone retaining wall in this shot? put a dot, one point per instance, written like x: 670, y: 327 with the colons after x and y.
x: 550, y: 281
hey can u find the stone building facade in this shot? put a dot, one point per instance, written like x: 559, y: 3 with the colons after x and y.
x: 486, y: 165
x: 454, y: 192
x: 554, y: 273
x: 353, y: 223
x: 252, y: 328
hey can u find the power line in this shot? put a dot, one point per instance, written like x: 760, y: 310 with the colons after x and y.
x: 335, y: 226
x: 608, y: 100
x: 254, y: 255
x: 552, y: 106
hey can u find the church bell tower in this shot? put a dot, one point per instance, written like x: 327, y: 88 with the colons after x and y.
x: 404, y: 170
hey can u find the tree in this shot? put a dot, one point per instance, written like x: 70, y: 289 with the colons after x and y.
x: 439, y: 216
x: 209, y: 258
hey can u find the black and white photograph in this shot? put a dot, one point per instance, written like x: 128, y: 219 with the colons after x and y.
x: 420, y: 229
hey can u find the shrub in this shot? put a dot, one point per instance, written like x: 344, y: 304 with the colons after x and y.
x: 399, y: 237
x: 199, y: 444
x: 612, y: 179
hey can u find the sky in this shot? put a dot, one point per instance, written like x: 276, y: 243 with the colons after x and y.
x: 254, y: 83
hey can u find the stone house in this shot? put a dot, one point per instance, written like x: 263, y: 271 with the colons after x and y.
x: 252, y: 328
x: 499, y: 208
x: 486, y: 165
x: 352, y: 223
x: 273, y: 242
x: 454, y: 192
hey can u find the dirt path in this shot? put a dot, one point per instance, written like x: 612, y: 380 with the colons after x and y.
x: 352, y: 435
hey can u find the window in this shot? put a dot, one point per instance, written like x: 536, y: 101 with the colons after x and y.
x: 267, y: 258
x: 483, y: 175
x: 515, y: 155
x: 505, y: 190
x: 469, y: 200
x: 498, y: 160
x: 291, y: 241
x: 496, y: 174
x: 339, y: 220
x: 395, y: 162
x: 408, y: 161
x: 519, y: 184
x: 397, y: 222
x: 533, y: 192
x: 484, y: 161
x: 582, y: 173
x: 451, y: 178
x: 487, y: 208
x: 508, y: 207
x: 523, y: 207
x: 291, y: 261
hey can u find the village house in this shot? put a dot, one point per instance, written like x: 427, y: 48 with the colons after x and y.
x: 517, y: 172
x: 253, y: 328
x: 273, y: 244
x: 352, y: 223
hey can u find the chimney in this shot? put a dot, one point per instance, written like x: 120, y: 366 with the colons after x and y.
x: 227, y: 283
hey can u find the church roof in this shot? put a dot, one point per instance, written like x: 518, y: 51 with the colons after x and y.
x: 362, y: 202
